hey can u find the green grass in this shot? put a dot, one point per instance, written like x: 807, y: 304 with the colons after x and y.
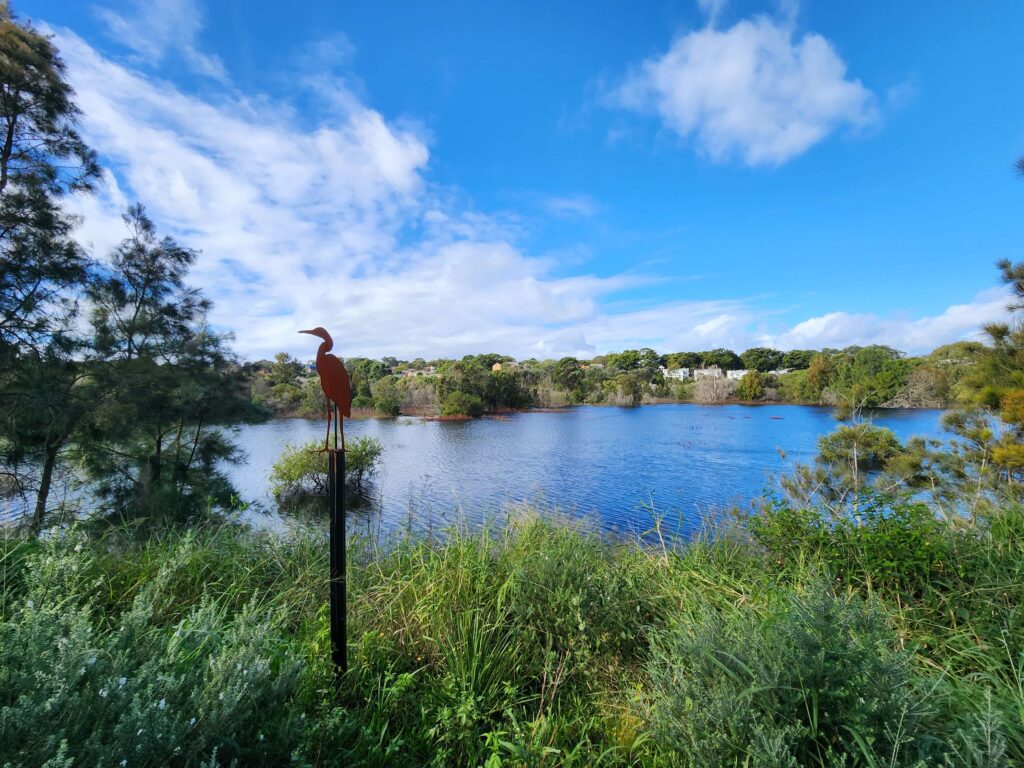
x: 780, y: 642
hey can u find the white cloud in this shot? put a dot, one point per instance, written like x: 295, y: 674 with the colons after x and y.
x: 331, y: 225
x: 335, y: 224
x: 756, y: 90
x: 959, y: 322
x: 153, y: 29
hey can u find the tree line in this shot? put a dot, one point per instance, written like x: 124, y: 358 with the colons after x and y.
x: 853, y: 377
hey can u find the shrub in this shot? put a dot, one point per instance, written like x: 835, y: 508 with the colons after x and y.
x: 362, y: 459
x: 300, y: 468
x: 387, y: 398
x: 460, y: 403
x: 897, y: 548
x: 78, y: 688
x: 816, y: 683
x: 751, y: 386
x: 303, y: 468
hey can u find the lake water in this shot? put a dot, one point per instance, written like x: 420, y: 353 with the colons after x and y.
x: 612, y: 465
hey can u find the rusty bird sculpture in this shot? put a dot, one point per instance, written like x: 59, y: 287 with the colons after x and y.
x: 335, y: 383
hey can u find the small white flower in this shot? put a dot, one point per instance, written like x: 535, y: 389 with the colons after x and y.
x: 261, y: 737
x: 191, y: 723
x: 31, y: 604
x: 78, y: 547
x: 81, y: 671
x: 121, y: 681
x: 124, y: 763
x: 162, y: 704
x: 221, y: 695
x: 103, y: 693
x: 140, y: 732
x: 92, y: 660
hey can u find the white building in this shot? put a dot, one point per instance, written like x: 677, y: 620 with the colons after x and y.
x: 714, y: 372
x: 680, y: 374
x: 737, y: 375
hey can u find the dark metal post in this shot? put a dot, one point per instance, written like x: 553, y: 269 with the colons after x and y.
x: 339, y: 628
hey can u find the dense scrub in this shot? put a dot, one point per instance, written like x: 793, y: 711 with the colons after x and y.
x: 781, y: 641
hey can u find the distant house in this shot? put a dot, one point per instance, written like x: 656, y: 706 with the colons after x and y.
x: 679, y: 374
x: 714, y: 372
x: 496, y: 367
x: 408, y: 373
x: 736, y: 375
x: 779, y: 372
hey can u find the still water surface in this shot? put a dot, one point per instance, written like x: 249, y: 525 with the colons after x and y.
x: 612, y: 465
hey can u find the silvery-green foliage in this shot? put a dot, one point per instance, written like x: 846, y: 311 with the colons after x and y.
x: 817, y: 682
x: 79, y: 687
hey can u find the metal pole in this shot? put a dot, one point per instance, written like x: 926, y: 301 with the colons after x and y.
x: 339, y: 629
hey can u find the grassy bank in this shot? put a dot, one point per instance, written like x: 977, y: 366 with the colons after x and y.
x: 782, y: 642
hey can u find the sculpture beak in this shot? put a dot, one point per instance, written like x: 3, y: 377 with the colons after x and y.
x: 309, y: 332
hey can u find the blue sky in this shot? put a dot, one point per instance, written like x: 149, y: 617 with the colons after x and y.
x: 544, y: 179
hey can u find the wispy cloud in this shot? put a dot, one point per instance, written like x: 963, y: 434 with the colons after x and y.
x: 757, y: 90
x: 154, y: 29
x: 332, y: 224
x: 583, y: 206
x: 335, y: 223
x: 712, y: 9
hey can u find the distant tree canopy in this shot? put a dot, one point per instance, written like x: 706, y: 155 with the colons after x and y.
x: 634, y: 359
x: 762, y: 359
x: 797, y: 359
x: 683, y: 360
x: 725, y: 359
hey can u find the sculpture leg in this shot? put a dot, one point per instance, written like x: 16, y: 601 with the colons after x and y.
x: 327, y: 437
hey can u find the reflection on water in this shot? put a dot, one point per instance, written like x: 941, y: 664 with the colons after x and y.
x: 617, y: 466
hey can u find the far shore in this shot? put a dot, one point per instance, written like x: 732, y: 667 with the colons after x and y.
x: 428, y: 414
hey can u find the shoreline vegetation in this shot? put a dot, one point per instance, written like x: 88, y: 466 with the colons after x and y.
x: 427, y: 415
x: 848, y: 379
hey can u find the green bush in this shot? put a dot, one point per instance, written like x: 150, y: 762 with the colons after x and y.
x: 387, y: 398
x: 460, y: 403
x: 898, y: 548
x: 817, y: 682
x: 78, y: 687
x: 362, y: 459
x: 751, y: 386
x: 303, y: 468
x: 300, y: 469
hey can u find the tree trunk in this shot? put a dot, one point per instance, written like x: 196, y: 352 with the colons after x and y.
x: 49, y: 461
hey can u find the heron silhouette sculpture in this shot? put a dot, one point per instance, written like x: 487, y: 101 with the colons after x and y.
x: 335, y: 384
